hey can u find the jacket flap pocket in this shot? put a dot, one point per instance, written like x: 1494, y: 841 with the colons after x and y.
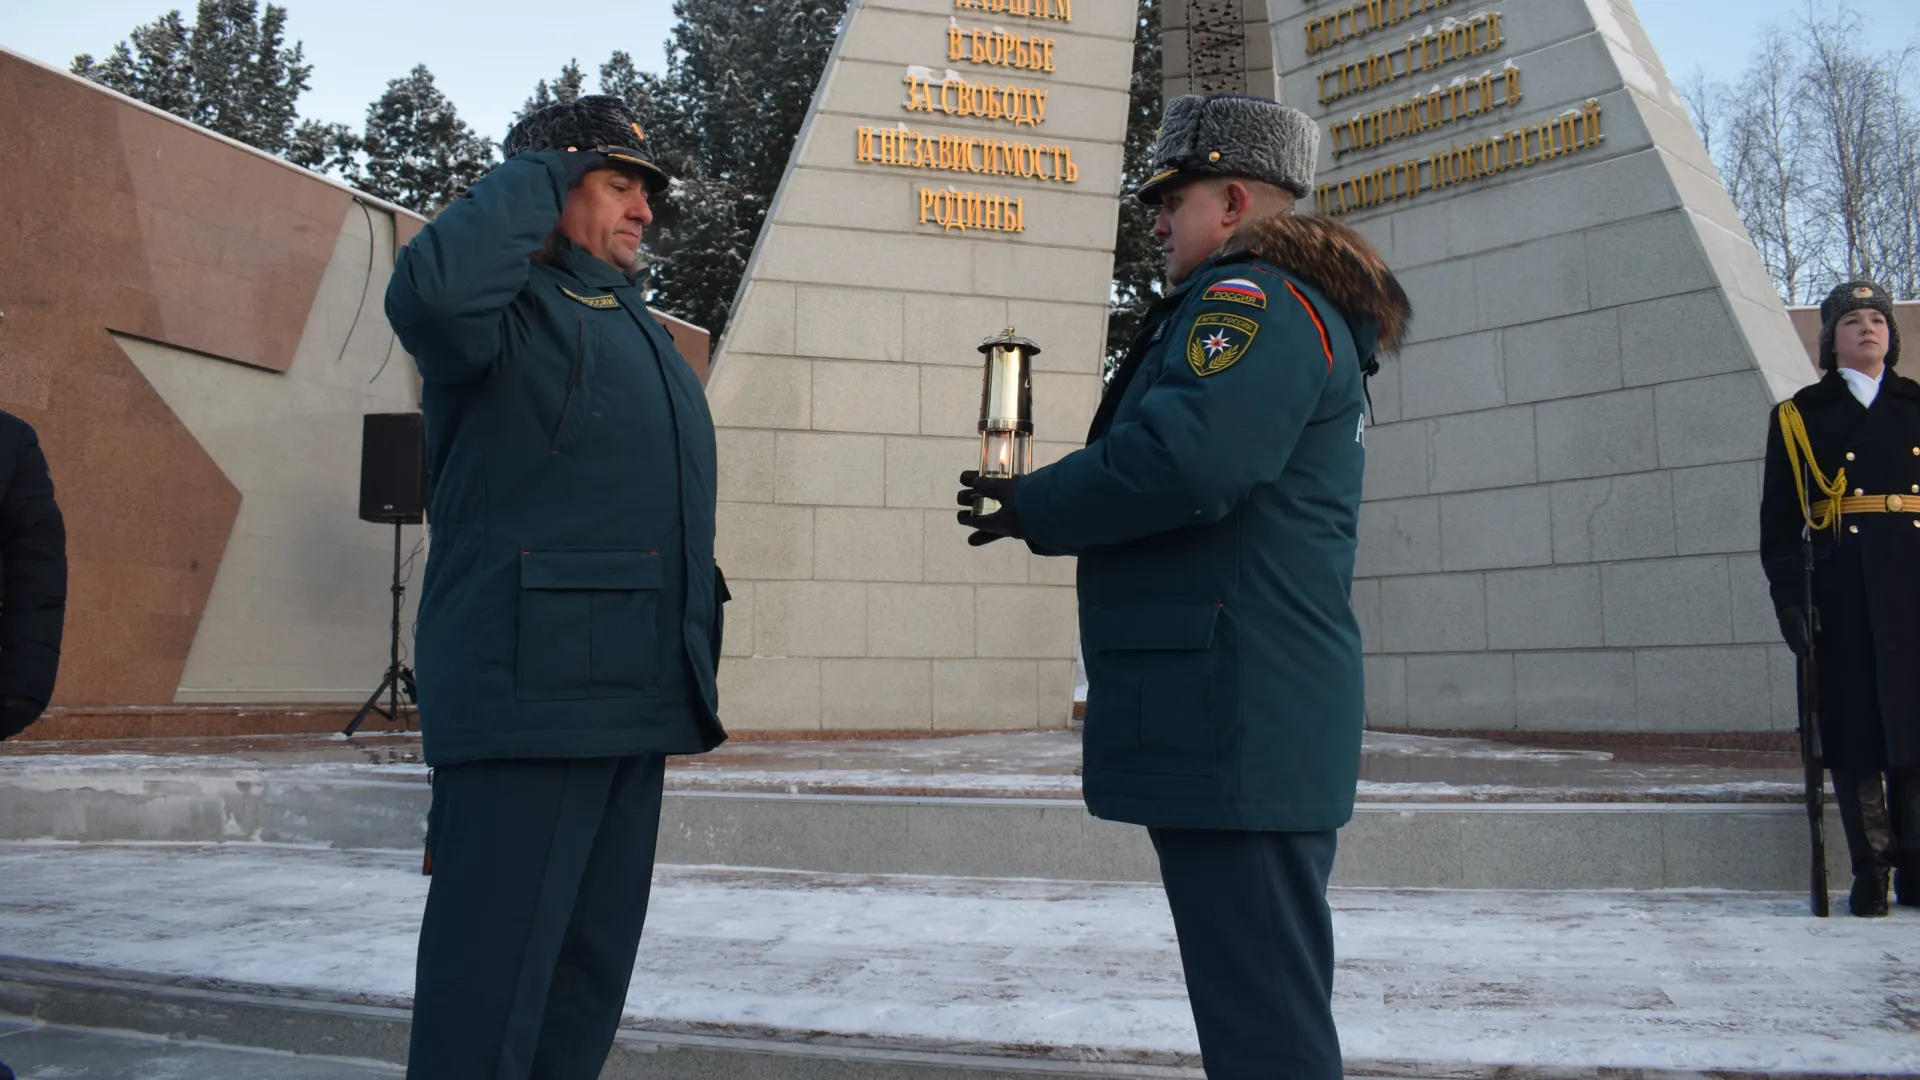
x: 1151, y: 626
x: 590, y: 570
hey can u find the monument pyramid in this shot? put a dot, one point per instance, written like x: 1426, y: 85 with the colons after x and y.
x: 957, y: 174
x: 1561, y: 517
x: 1563, y: 473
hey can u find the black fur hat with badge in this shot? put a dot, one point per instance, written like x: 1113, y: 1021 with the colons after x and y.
x: 1852, y: 296
x: 597, y: 122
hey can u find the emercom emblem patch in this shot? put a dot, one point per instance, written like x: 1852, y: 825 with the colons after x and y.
x: 1237, y: 291
x: 601, y: 302
x: 1218, y: 341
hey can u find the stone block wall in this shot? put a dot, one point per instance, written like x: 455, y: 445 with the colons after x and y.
x: 1560, y: 525
x: 847, y: 388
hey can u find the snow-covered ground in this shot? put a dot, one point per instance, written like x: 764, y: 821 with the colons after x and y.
x: 1031, y: 764
x: 1696, y: 981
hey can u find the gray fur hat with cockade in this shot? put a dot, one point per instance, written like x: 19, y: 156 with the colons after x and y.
x: 597, y: 122
x: 1232, y: 135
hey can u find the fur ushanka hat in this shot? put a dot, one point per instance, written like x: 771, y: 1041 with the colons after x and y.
x: 595, y: 122
x: 1233, y: 135
x: 1852, y: 296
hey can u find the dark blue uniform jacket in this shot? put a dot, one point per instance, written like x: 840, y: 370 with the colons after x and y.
x: 1214, y: 512
x: 571, y: 606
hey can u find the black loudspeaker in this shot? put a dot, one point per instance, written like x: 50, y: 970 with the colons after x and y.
x: 393, y: 469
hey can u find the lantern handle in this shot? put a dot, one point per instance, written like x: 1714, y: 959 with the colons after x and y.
x: 1008, y: 338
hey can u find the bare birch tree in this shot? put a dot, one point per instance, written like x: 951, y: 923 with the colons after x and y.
x: 1845, y: 97
x: 1769, y: 141
x: 1896, y: 211
x: 1818, y: 143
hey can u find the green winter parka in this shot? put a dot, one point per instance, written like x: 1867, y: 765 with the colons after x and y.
x: 571, y: 605
x: 1214, y: 512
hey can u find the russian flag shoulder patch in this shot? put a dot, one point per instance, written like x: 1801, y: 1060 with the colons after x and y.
x: 1237, y: 291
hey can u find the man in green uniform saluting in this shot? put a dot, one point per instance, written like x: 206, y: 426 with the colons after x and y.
x: 1214, y: 512
x: 570, y: 623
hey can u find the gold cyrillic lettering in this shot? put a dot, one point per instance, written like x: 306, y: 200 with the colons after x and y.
x: 1481, y: 159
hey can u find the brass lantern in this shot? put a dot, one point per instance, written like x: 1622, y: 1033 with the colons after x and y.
x: 1006, y: 411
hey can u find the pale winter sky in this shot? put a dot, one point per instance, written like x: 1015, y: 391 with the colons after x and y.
x: 487, y: 54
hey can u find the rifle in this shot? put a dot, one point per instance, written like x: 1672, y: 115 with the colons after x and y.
x: 1812, y: 757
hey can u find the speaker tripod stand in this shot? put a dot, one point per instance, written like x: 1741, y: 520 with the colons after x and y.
x: 399, y: 677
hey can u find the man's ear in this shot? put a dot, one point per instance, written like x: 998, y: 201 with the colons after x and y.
x: 1238, y: 201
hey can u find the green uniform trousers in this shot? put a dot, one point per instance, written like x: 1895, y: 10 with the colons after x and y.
x: 541, y: 874
x: 1256, y: 942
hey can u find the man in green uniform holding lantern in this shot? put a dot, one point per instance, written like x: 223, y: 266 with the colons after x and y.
x: 1214, y: 511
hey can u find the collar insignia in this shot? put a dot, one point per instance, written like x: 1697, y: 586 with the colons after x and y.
x: 600, y: 302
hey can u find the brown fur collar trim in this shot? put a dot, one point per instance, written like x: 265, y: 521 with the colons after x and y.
x: 1337, y: 261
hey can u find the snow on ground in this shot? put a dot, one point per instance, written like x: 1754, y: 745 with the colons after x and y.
x: 27, y: 768
x: 1675, y: 980
x: 1395, y: 768
x: 874, y: 781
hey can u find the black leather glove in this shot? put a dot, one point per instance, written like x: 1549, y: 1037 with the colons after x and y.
x: 579, y: 163
x: 989, y: 527
x: 1795, y: 629
x: 16, y: 713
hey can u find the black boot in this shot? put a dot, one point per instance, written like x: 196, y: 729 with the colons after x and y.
x: 1906, y: 886
x: 1903, y: 808
x: 1870, y: 845
x: 1868, y: 900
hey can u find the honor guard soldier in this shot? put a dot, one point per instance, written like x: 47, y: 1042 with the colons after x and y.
x: 1214, y: 512
x: 569, y: 627
x: 1843, y: 461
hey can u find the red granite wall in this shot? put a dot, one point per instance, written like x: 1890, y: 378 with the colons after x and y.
x: 120, y: 219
